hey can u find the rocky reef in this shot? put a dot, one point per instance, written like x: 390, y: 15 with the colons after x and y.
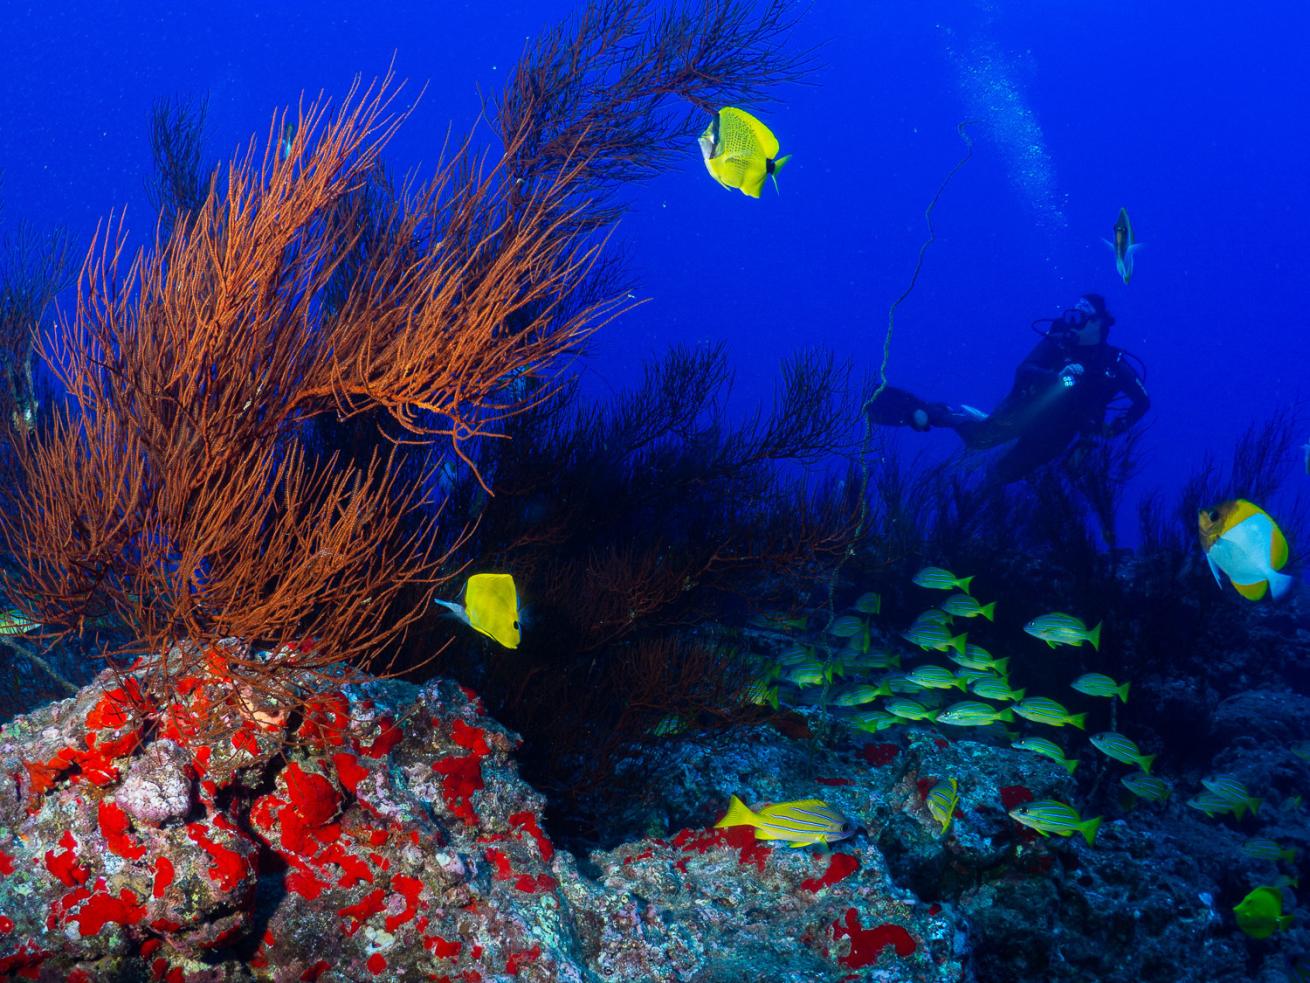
x: 384, y: 832
x: 395, y: 840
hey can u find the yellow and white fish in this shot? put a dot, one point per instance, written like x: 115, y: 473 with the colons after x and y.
x: 1241, y: 539
x: 740, y: 151
x: 491, y: 606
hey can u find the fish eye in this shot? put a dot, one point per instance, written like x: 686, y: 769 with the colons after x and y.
x: 516, y: 626
x: 1213, y: 515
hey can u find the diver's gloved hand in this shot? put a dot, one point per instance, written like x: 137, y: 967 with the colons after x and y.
x: 1069, y: 375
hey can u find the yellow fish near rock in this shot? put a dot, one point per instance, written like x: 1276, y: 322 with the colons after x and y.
x: 491, y: 606
x: 805, y: 822
x: 1241, y: 539
x: 740, y: 151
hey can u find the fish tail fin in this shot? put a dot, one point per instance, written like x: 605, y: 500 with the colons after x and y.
x: 1089, y: 828
x: 738, y: 814
x: 1254, y: 805
x: 774, y: 168
x: 1123, y: 692
x: 1279, y: 584
x: 1000, y: 666
x: 771, y: 696
x: 1145, y: 761
x: 1006, y: 715
x: 1079, y: 720
x: 1069, y: 765
x: 958, y: 642
x: 960, y: 684
x: 963, y: 583
x: 988, y: 611
x: 1285, y: 922
x: 1019, y: 694
x: 1094, y: 636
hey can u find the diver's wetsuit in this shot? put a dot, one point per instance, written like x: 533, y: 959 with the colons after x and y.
x: 1049, y: 405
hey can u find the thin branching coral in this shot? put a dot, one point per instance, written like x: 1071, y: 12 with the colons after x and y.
x: 605, y: 80
x: 187, y: 491
x: 33, y: 269
x: 177, y: 188
x: 177, y: 494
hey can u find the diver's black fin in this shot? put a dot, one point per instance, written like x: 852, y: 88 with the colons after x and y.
x: 895, y: 407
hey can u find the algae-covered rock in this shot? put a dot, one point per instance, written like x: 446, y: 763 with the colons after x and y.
x: 394, y: 839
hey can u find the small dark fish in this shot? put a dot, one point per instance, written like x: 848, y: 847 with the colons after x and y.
x: 1124, y: 245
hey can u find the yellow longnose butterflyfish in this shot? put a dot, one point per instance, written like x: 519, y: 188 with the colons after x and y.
x: 740, y: 151
x: 491, y: 606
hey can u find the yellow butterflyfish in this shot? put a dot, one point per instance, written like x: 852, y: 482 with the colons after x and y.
x: 740, y: 151
x: 1242, y: 540
x: 491, y: 606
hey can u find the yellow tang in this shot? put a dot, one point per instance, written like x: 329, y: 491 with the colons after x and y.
x: 1241, y: 539
x: 1260, y: 913
x: 740, y: 151
x: 491, y: 606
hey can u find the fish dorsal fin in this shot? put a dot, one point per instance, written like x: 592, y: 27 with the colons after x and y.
x: 1277, y: 548
x: 1241, y: 511
x: 745, y: 130
x: 1253, y: 592
x: 764, y: 137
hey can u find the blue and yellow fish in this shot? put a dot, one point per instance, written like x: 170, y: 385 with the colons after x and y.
x: 805, y: 822
x: 1050, y: 816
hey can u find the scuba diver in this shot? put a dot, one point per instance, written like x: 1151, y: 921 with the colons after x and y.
x: 1061, y: 392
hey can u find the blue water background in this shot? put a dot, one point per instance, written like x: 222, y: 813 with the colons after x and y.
x: 1191, y: 115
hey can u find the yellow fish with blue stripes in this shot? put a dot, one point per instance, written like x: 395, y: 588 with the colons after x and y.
x: 805, y: 822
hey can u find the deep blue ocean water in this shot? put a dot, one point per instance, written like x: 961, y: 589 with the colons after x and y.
x: 1190, y: 115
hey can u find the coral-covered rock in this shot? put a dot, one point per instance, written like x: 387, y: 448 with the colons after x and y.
x: 157, y: 787
x: 393, y: 839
